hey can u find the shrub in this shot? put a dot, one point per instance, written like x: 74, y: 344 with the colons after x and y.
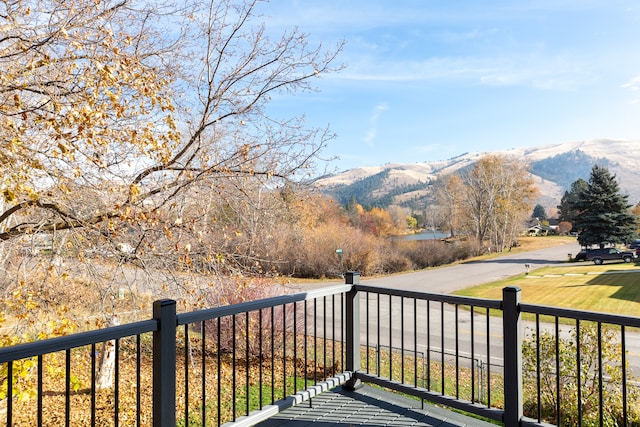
x: 395, y: 262
x: 228, y: 291
x: 433, y: 253
x: 567, y: 376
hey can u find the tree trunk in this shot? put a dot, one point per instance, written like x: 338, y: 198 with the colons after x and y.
x: 104, y: 378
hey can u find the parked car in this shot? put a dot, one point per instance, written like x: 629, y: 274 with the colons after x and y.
x: 635, y: 244
x: 609, y: 254
x: 581, y: 256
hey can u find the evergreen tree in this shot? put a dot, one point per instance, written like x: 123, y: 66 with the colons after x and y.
x: 539, y: 213
x: 603, y: 213
x: 567, y: 210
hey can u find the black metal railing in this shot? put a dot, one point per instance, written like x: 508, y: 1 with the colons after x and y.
x: 245, y: 362
x: 208, y: 367
x: 467, y: 354
x: 431, y: 346
x: 41, y: 378
x: 261, y: 353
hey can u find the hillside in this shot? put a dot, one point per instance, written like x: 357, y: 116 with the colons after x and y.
x: 553, y: 168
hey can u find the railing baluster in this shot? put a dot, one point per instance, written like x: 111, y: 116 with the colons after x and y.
x: 284, y: 351
x: 306, y: 336
x: 67, y: 392
x: 333, y: 334
x: 457, y: 332
x: 93, y: 384
x: 600, y: 376
x: 40, y: 396
x: 473, y: 355
x: 203, y: 385
x: 324, y: 337
x: 366, y: 325
x: 623, y: 343
x: 402, y: 340
x: 428, y: 345
x: 538, y: 373
x: 273, y: 357
x: 233, y: 367
x: 247, y: 365
x: 578, y: 373
x: 315, y: 341
x: 488, y: 320
x: 390, y: 311
x: 378, y: 367
x: 139, y: 380
x: 260, y: 358
x: 558, y: 373
x: 342, y: 332
x: 415, y: 342
x: 187, y: 345
x: 219, y: 373
x: 295, y: 347
x: 116, y: 386
x: 10, y: 393
x: 442, y: 348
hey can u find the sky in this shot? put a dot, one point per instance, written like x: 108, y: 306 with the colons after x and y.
x: 427, y: 80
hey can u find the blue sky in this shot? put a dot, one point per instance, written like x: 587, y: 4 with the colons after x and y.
x: 428, y: 80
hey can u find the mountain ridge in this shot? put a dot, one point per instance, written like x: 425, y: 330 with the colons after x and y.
x: 553, y: 167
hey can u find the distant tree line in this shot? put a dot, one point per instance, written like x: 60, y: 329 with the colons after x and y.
x: 364, y: 191
x: 555, y: 168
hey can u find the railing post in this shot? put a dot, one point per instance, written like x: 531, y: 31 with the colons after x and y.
x: 512, y: 332
x: 164, y: 364
x: 352, y: 325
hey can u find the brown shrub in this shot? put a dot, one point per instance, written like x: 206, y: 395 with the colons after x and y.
x: 274, y: 324
x: 433, y: 253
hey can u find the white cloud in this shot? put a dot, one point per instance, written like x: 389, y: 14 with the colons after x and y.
x: 537, y: 71
x: 633, y: 84
x: 371, y: 134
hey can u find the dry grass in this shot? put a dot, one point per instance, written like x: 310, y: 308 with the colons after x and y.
x: 527, y: 244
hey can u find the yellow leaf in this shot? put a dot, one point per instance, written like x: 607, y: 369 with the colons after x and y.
x: 63, y: 148
x: 134, y: 191
x: 112, y: 96
x: 9, y: 196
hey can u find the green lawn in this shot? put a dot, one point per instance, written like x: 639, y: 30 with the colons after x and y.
x: 608, y: 288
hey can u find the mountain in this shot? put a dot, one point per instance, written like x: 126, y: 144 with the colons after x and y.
x: 553, y: 167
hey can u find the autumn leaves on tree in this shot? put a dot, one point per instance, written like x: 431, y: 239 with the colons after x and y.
x: 138, y: 125
x: 489, y: 202
x: 110, y: 110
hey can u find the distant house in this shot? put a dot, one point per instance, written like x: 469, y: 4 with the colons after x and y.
x: 537, y: 229
x: 554, y: 225
x: 36, y: 244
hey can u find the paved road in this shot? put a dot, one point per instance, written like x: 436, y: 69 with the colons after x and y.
x: 449, y: 279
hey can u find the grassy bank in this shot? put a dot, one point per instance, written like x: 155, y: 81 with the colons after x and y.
x: 608, y: 288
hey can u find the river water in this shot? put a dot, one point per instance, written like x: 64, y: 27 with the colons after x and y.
x: 424, y: 235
